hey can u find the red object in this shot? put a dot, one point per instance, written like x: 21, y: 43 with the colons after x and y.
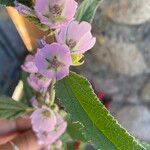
x: 77, y: 145
x: 103, y: 97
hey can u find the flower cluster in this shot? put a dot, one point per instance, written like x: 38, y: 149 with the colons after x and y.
x: 48, y: 125
x: 53, y: 13
x: 51, y: 62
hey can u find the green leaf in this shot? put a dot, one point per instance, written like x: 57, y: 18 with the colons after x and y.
x: 11, y: 2
x: 10, y: 108
x: 87, y: 10
x: 26, y: 2
x: 73, y: 129
x: 65, y: 138
x: 70, y: 146
x: 7, y: 2
x: 100, y: 128
x: 37, y: 23
x: 146, y: 145
x: 28, y: 92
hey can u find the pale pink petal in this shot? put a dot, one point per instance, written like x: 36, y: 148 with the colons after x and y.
x: 62, y: 73
x: 41, y: 122
x: 42, y: 66
x: 34, y: 102
x: 64, y: 55
x: 43, y: 11
x: 86, y: 43
x: 24, y: 10
x: 49, y: 52
x: 53, y: 136
x: 72, y: 30
x: 38, y: 84
x: 42, y: 6
x: 30, y: 58
x: 29, y: 65
x: 70, y: 9
x: 76, y: 31
x: 61, y: 36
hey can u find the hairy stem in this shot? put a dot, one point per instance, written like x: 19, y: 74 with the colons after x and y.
x: 52, y: 93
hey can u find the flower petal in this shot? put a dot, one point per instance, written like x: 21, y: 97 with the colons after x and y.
x: 85, y: 43
x: 29, y: 65
x: 76, y: 31
x: 49, y: 52
x: 70, y: 9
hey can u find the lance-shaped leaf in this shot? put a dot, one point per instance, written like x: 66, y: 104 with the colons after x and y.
x: 10, y: 108
x: 26, y: 2
x: 6, y: 2
x: 87, y: 10
x: 100, y: 128
x: 146, y: 145
x: 73, y: 129
x: 27, y: 91
x: 11, y: 2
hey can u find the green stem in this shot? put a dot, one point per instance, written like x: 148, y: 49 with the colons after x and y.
x: 28, y: 110
x: 52, y: 92
x: 52, y: 32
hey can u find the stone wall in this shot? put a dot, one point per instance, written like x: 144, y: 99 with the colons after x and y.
x: 119, y: 64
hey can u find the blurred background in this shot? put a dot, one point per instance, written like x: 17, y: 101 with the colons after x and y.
x: 118, y: 66
x: 12, y: 53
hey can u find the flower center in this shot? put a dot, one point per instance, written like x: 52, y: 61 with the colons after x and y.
x: 54, y: 13
x: 57, y: 127
x: 71, y: 43
x: 54, y: 63
x: 45, y: 134
x: 56, y: 10
x: 46, y: 114
x: 39, y: 76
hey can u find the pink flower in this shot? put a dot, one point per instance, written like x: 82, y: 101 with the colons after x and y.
x: 29, y: 65
x: 77, y: 36
x: 55, y: 13
x: 41, y: 43
x: 24, y: 10
x: 34, y: 102
x: 53, y: 61
x: 38, y: 82
x: 43, y: 120
x: 52, y: 136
